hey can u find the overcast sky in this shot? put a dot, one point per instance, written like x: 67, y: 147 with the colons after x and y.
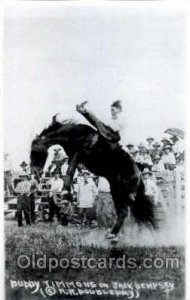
x: 57, y: 57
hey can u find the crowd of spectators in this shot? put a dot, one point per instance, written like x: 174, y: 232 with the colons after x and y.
x: 156, y: 156
x: 89, y: 201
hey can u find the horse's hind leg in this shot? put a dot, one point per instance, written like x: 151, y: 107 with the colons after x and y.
x: 122, y: 213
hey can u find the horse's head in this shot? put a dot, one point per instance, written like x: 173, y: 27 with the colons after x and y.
x: 38, y: 155
x: 40, y: 145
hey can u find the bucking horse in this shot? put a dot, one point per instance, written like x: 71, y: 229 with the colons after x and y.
x: 113, y: 163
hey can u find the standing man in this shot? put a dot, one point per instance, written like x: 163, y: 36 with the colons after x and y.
x: 156, y: 150
x: 8, y: 175
x: 165, y: 142
x: 150, y: 141
x: 24, y: 167
x: 56, y: 184
x: 23, y: 190
x: 34, y: 189
x: 64, y: 166
x: 168, y: 158
x: 87, y: 191
x: 144, y: 158
x: 158, y: 165
x: 130, y: 148
x: 177, y: 146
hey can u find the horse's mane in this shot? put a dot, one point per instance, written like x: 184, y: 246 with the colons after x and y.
x: 55, y: 126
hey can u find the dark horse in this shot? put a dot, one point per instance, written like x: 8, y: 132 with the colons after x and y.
x: 113, y: 163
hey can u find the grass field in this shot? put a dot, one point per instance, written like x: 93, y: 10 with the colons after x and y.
x: 57, y: 241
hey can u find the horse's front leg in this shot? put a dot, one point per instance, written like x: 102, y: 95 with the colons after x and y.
x: 70, y: 172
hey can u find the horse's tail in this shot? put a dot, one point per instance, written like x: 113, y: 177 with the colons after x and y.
x: 143, y: 208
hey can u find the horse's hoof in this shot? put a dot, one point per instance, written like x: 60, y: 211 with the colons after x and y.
x: 114, y: 240
x: 111, y: 236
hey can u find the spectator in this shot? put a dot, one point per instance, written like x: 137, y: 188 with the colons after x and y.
x: 140, y: 147
x: 150, y: 185
x: 156, y: 150
x: 135, y: 153
x: 158, y: 165
x: 56, y: 184
x: 145, y: 159
x: 58, y: 159
x: 166, y: 142
x: 87, y: 191
x: 178, y: 145
x: 64, y: 166
x: 24, y: 167
x: 130, y: 148
x: 150, y: 141
x: 34, y: 189
x: 54, y: 160
x: 168, y: 158
x: 23, y: 190
x: 8, y: 175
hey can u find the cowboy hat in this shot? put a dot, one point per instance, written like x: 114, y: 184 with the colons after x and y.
x: 130, y: 145
x: 23, y: 174
x: 174, y: 138
x: 157, y: 157
x: 134, y: 150
x: 166, y: 140
x: 156, y: 145
x: 144, y: 150
x: 23, y: 164
x: 150, y: 138
x: 146, y: 171
x: 167, y: 147
x: 140, y: 145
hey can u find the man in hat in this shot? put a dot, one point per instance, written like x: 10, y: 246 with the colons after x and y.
x: 177, y: 145
x: 141, y: 147
x: 135, y: 153
x: 56, y: 186
x: 156, y: 150
x: 158, y: 165
x: 168, y: 158
x: 130, y: 148
x: 24, y: 166
x: 55, y: 158
x: 8, y: 175
x: 64, y: 166
x: 150, y: 141
x: 144, y: 158
x: 33, y: 191
x: 58, y: 158
x: 23, y: 190
x: 166, y: 142
x: 87, y: 191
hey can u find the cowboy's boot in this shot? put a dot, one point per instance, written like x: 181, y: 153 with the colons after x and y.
x: 81, y: 107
